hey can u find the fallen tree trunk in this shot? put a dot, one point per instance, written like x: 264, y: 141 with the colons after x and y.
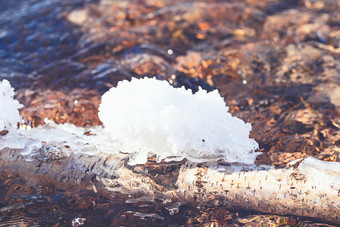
x: 311, y: 190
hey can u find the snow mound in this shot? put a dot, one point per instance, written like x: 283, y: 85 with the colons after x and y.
x: 150, y: 116
x: 9, y: 114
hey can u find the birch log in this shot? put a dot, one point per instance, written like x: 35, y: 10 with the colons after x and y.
x: 310, y: 190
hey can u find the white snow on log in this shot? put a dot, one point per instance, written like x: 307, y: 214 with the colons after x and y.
x: 143, y: 117
x: 71, y: 138
x: 321, y: 173
x: 150, y: 116
x: 9, y: 113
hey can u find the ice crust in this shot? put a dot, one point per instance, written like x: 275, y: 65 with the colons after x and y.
x: 150, y: 116
x: 9, y: 114
x: 66, y: 136
x: 321, y: 172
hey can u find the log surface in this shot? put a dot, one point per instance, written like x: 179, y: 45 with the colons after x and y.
x: 288, y: 191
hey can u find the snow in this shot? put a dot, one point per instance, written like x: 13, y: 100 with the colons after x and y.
x: 321, y: 172
x: 143, y: 117
x: 9, y: 114
x: 150, y: 116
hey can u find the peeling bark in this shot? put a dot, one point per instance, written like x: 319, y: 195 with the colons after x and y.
x: 289, y: 191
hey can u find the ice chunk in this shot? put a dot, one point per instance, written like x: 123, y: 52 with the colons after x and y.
x: 150, y: 116
x: 321, y: 172
x: 9, y: 114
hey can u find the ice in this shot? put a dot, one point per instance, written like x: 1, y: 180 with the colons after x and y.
x: 69, y: 137
x: 150, y: 116
x: 321, y: 172
x: 9, y: 114
x: 143, y: 117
